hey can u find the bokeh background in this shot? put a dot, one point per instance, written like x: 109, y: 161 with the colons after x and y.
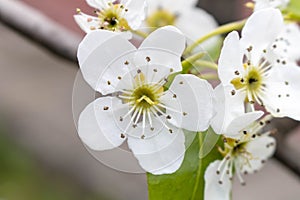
x: 41, y: 156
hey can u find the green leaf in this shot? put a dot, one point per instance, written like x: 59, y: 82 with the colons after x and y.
x: 188, y: 181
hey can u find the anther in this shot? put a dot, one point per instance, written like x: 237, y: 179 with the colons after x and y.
x: 126, y: 62
x: 143, y: 137
x: 174, y: 95
x: 152, y: 129
x: 139, y: 71
x: 245, y: 132
x: 105, y: 108
x: 218, y: 172
x: 265, y: 51
x: 249, y: 48
x: 233, y: 92
x: 237, y: 72
x: 126, y: 10
x: 181, y: 82
x: 89, y: 19
x: 220, y: 182
x: 155, y: 70
x: 148, y: 59
x: 286, y: 83
x: 108, y: 82
x: 134, y: 125
x: 119, y: 77
x: 261, y: 123
x: 170, y: 130
x: 254, y: 136
x: 121, y: 119
x: 122, y: 135
x: 168, y: 117
x: 278, y: 110
x: 78, y: 11
x: 184, y: 113
x: 274, y: 46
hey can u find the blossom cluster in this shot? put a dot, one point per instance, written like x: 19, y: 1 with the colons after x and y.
x: 150, y: 95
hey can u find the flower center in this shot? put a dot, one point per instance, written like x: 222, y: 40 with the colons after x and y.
x: 145, y: 97
x: 161, y: 17
x: 112, y: 18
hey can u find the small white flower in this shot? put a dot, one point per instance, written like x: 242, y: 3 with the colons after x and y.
x: 262, y: 4
x: 245, y: 154
x: 194, y: 22
x: 257, y: 72
x: 112, y: 15
x: 137, y: 106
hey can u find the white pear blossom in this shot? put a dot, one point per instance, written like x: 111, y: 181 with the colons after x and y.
x: 192, y: 21
x: 118, y: 16
x: 245, y: 154
x: 136, y: 105
x: 253, y: 67
x: 262, y: 4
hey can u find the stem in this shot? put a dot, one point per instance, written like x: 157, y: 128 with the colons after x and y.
x: 199, y: 169
x: 207, y: 64
x: 209, y: 76
x: 220, y: 30
x: 188, y: 62
x: 140, y: 33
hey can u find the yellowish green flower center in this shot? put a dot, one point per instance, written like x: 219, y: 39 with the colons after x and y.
x: 160, y: 18
x: 145, y: 95
x: 252, y: 81
x: 112, y: 18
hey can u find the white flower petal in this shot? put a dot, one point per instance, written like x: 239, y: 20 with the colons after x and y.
x: 231, y: 58
x: 290, y: 39
x: 260, y: 30
x: 261, y: 149
x: 98, y: 4
x: 169, y: 5
x: 97, y: 50
x: 227, y: 107
x: 161, y: 154
x: 213, y: 190
x: 97, y: 127
x: 193, y: 101
x: 136, y: 12
x: 241, y: 122
x: 263, y: 4
x: 86, y: 22
x: 195, y: 23
x: 282, y: 97
x: 163, y: 46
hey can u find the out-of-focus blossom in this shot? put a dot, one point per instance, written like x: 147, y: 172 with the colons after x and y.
x: 112, y: 15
